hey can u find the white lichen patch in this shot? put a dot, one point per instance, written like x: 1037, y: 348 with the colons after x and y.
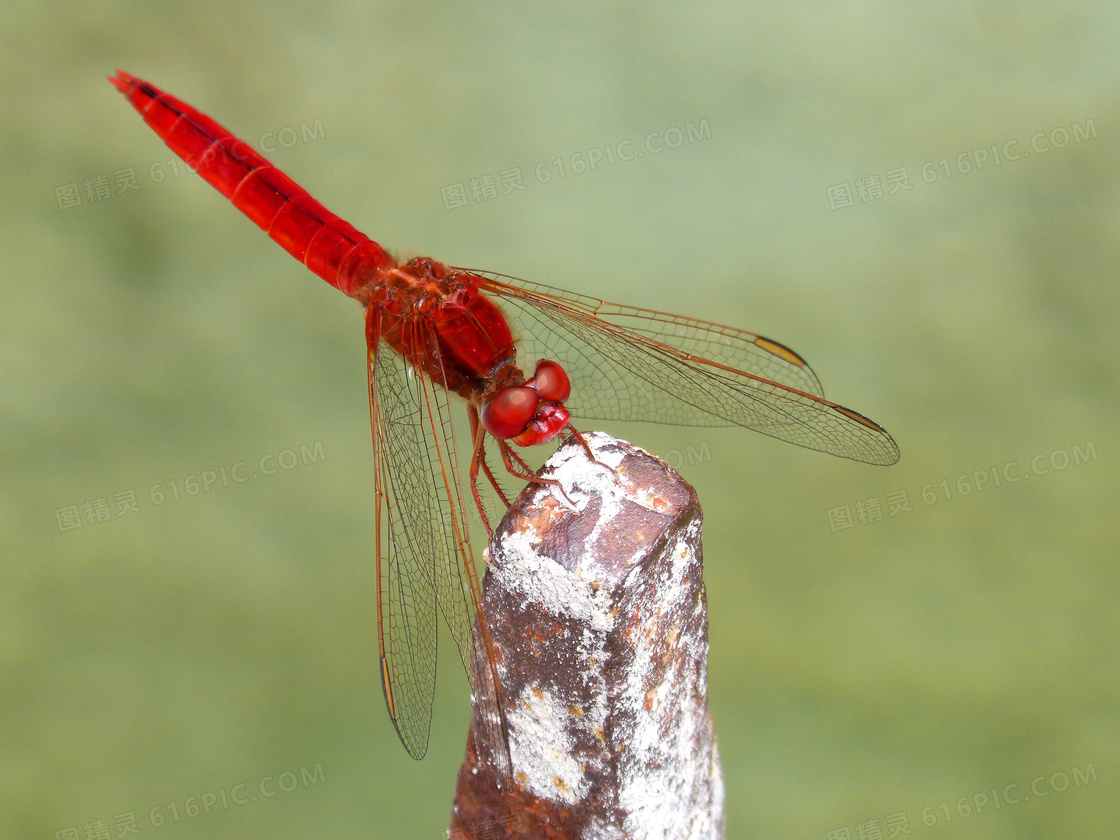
x: 541, y: 749
x: 537, y: 579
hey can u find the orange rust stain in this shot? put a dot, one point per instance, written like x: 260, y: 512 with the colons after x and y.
x: 675, y: 633
x: 540, y: 636
x: 541, y: 518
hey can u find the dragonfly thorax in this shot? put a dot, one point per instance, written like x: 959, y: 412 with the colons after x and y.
x: 439, y: 320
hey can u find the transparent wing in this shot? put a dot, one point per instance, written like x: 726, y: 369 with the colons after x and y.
x: 409, y: 535
x: 628, y: 363
x: 424, y: 559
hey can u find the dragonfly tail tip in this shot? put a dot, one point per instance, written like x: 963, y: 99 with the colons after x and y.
x: 122, y: 81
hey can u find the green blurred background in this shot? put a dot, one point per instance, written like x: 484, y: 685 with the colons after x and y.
x: 227, y: 637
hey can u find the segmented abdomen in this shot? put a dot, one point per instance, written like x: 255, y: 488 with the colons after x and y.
x: 329, y: 246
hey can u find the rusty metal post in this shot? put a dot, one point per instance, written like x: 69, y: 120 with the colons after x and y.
x: 598, y: 617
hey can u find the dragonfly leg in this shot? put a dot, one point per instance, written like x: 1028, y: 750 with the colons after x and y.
x: 480, y: 444
x: 582, y: 441
x: 509, y: 456
x: 478, y: 460
x: 513, y: 454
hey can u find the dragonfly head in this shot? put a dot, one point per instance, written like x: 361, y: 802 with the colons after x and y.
x: 533, y: 412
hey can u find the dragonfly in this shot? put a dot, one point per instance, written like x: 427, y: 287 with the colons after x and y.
x: 440, y: 336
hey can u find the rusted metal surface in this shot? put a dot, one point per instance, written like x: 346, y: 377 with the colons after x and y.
x: 599, y: 621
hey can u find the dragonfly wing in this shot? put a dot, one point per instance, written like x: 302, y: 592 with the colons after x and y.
x: 628, y: 363
x: 424, y: 554
x: 407, y: 540
x: 729, y: 346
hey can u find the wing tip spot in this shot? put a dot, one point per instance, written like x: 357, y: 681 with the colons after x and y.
x: 892, y: 447
x: 859, y: 418
x: 387, y: 688
x: 781, y: 351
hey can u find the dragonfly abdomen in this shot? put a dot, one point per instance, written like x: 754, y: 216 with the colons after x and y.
x: 329, y: 246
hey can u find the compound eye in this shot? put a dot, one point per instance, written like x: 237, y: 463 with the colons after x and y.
x: 508, y: 412
x: 551, y: 382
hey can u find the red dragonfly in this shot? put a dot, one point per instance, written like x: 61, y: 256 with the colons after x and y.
x: 436, y: 332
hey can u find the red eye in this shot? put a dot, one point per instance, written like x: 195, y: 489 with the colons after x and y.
x: 551, y: 382
x: 508, y: 412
